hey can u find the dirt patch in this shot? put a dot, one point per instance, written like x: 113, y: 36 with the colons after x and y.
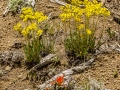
x: 103, y: 68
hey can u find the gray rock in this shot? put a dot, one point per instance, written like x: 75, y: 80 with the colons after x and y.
x: 5, y: 57
x: 17, y: 56
x: 11, y: 57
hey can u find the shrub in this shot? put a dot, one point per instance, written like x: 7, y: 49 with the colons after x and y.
x: 14, y: 4
x: 33, y: 34
x: 80, y: 20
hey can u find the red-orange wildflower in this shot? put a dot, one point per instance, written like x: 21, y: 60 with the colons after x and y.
x: 60, y: 80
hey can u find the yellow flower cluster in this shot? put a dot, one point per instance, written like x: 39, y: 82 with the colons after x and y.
x: 80, y: 8
x: 30, y: 29
x: 89, y: 32
x: 18, y: 27
x: 33, y: 28
x: 95, y: 8
x: 81, y: 26
x: 39, y: 32
x: 71, y: 12
x: 39, y: 16
x: 29, y: 14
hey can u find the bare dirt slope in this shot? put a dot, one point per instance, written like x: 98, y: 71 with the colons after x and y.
x: 102, y: 69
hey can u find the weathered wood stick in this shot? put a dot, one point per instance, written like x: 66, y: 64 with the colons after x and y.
x: 44, y: 61
x: 67, y: 73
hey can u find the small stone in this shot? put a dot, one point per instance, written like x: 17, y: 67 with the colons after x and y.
x: 1, y: 73
x: 19, y: 76
x: 8, y: 68
x: 49, y: 6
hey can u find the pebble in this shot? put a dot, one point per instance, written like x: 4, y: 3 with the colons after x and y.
x: 8, y: 68
x: 19, y: 76
x: 49, y: 6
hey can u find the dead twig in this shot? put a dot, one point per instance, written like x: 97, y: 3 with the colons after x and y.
x: 58, y: 2
x: 44, y: 61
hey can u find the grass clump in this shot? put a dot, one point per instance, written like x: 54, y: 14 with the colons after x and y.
x: 35, y: 42
x: 80, y: 20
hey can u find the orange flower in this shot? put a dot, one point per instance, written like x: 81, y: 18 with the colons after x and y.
x: 60, y: 80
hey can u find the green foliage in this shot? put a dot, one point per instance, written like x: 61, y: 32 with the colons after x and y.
x: 14, y: 4
x: 110, y: 33
x: 115, y: 74
x: 32, y: 50
x: 80, y: 45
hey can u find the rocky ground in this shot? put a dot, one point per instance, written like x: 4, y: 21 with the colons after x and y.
x: 13, y: 72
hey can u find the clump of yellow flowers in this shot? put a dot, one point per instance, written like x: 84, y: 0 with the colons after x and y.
x: 80, y: 18
x: 32, y: 32
x: 80, y: 8
x: 28, y: 15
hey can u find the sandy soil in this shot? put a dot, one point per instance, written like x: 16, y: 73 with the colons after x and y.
x: 103, y: 68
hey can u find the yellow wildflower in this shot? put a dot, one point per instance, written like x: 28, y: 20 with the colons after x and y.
x: 62, y: 7
x: 77, y: 18
x: 39, y: 16
x: 18, y: 27
x: 66, y: 16
x: 27, y: 13
x: 27, y: 10
x: 25, y: 32
x: 42, y: 18
x: 89, y: 32
x: 31, y: 27
x: 34, y: 26
x: 81, y: 26
x: 39, y: 32
x: 21, y: 16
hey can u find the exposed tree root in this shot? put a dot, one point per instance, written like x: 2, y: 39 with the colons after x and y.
x: 58, y: 2
x: 45, y: 61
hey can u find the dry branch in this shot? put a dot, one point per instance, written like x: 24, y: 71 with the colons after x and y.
x: 44, y: 61
x: 67, y: 73
x: 58, y: 2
